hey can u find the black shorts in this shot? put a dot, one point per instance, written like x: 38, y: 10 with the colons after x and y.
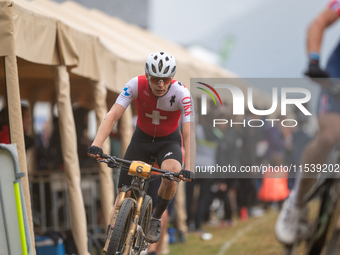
x: 142, y: 147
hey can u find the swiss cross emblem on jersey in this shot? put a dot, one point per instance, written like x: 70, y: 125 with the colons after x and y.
x: 156, y: 117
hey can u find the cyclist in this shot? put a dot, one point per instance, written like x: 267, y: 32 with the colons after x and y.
x: 319, y: 149
x: 161, y: 102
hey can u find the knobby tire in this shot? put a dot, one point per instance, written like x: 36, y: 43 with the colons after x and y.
x: 121, y: 228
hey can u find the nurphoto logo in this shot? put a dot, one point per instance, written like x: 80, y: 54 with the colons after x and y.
x: 238, y: 103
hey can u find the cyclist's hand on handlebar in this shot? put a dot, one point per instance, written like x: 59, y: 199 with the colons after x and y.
x: 314, y: 71
x: 94, y: 152
x: 186, y: 175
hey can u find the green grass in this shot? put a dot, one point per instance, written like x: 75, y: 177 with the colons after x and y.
x: 257, y: 238
x: 254, y: 237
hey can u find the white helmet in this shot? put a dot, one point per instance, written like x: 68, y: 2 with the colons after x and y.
x: 160, y: 64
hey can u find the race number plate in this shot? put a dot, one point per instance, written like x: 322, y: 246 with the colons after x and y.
x: 140, y: 168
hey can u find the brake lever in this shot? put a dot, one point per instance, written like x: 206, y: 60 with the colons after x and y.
x: 113, y: 164
x: 170, y: 177
x: 110, y: 163
x: 174, y: 179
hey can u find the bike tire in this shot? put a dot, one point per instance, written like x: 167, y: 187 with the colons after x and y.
x: 316, y: 244
x: 121, y: 228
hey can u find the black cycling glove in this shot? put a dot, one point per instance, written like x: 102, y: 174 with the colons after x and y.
x: 94, y: 150
x: 314, y: 71
x: 187, y: 174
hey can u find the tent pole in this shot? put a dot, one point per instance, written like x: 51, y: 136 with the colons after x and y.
x: 17, y: 132
x: 7, y: 49
x: 70, y: 156
x: 105, y: 173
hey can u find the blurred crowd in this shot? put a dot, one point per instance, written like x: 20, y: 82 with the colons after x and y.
x: 221, y: 200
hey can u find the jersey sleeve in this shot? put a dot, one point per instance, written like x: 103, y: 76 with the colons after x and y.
x: 335, y: 6
x: 187, y: 105
x: 129, y: 92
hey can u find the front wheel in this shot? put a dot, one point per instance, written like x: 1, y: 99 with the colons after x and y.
x: 121, y: 229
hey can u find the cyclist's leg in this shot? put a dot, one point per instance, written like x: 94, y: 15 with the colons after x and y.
x: 168, y: 188
x: 153, y: 192
x: 169, y: 157
x: 318, y: 151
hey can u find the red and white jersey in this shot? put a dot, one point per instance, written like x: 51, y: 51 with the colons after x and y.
x: 158, y: 116
x: 335, y: 6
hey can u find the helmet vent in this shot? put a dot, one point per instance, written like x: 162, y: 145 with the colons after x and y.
x: 160, y: 65
x: 153, y: 69
x: 173, y: 69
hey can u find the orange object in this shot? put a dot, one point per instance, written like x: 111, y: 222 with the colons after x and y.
x: 244, y: 213
x: 274, y: 186
x: 141, y: 169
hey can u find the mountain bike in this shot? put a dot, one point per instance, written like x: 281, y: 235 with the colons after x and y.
x: 131, y: 219
x: 321, y: 232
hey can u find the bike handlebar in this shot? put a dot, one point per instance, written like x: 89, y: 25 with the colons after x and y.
x: 164, y: 173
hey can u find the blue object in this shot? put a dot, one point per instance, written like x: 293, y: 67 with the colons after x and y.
x: 45, y: 246
x: 172, y: 235
x: 314, y: 56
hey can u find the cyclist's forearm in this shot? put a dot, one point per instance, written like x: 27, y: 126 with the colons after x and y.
x: 107, y: 124
x: 104, y: 131
x: 316, y: 29
x: 314, y: 37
